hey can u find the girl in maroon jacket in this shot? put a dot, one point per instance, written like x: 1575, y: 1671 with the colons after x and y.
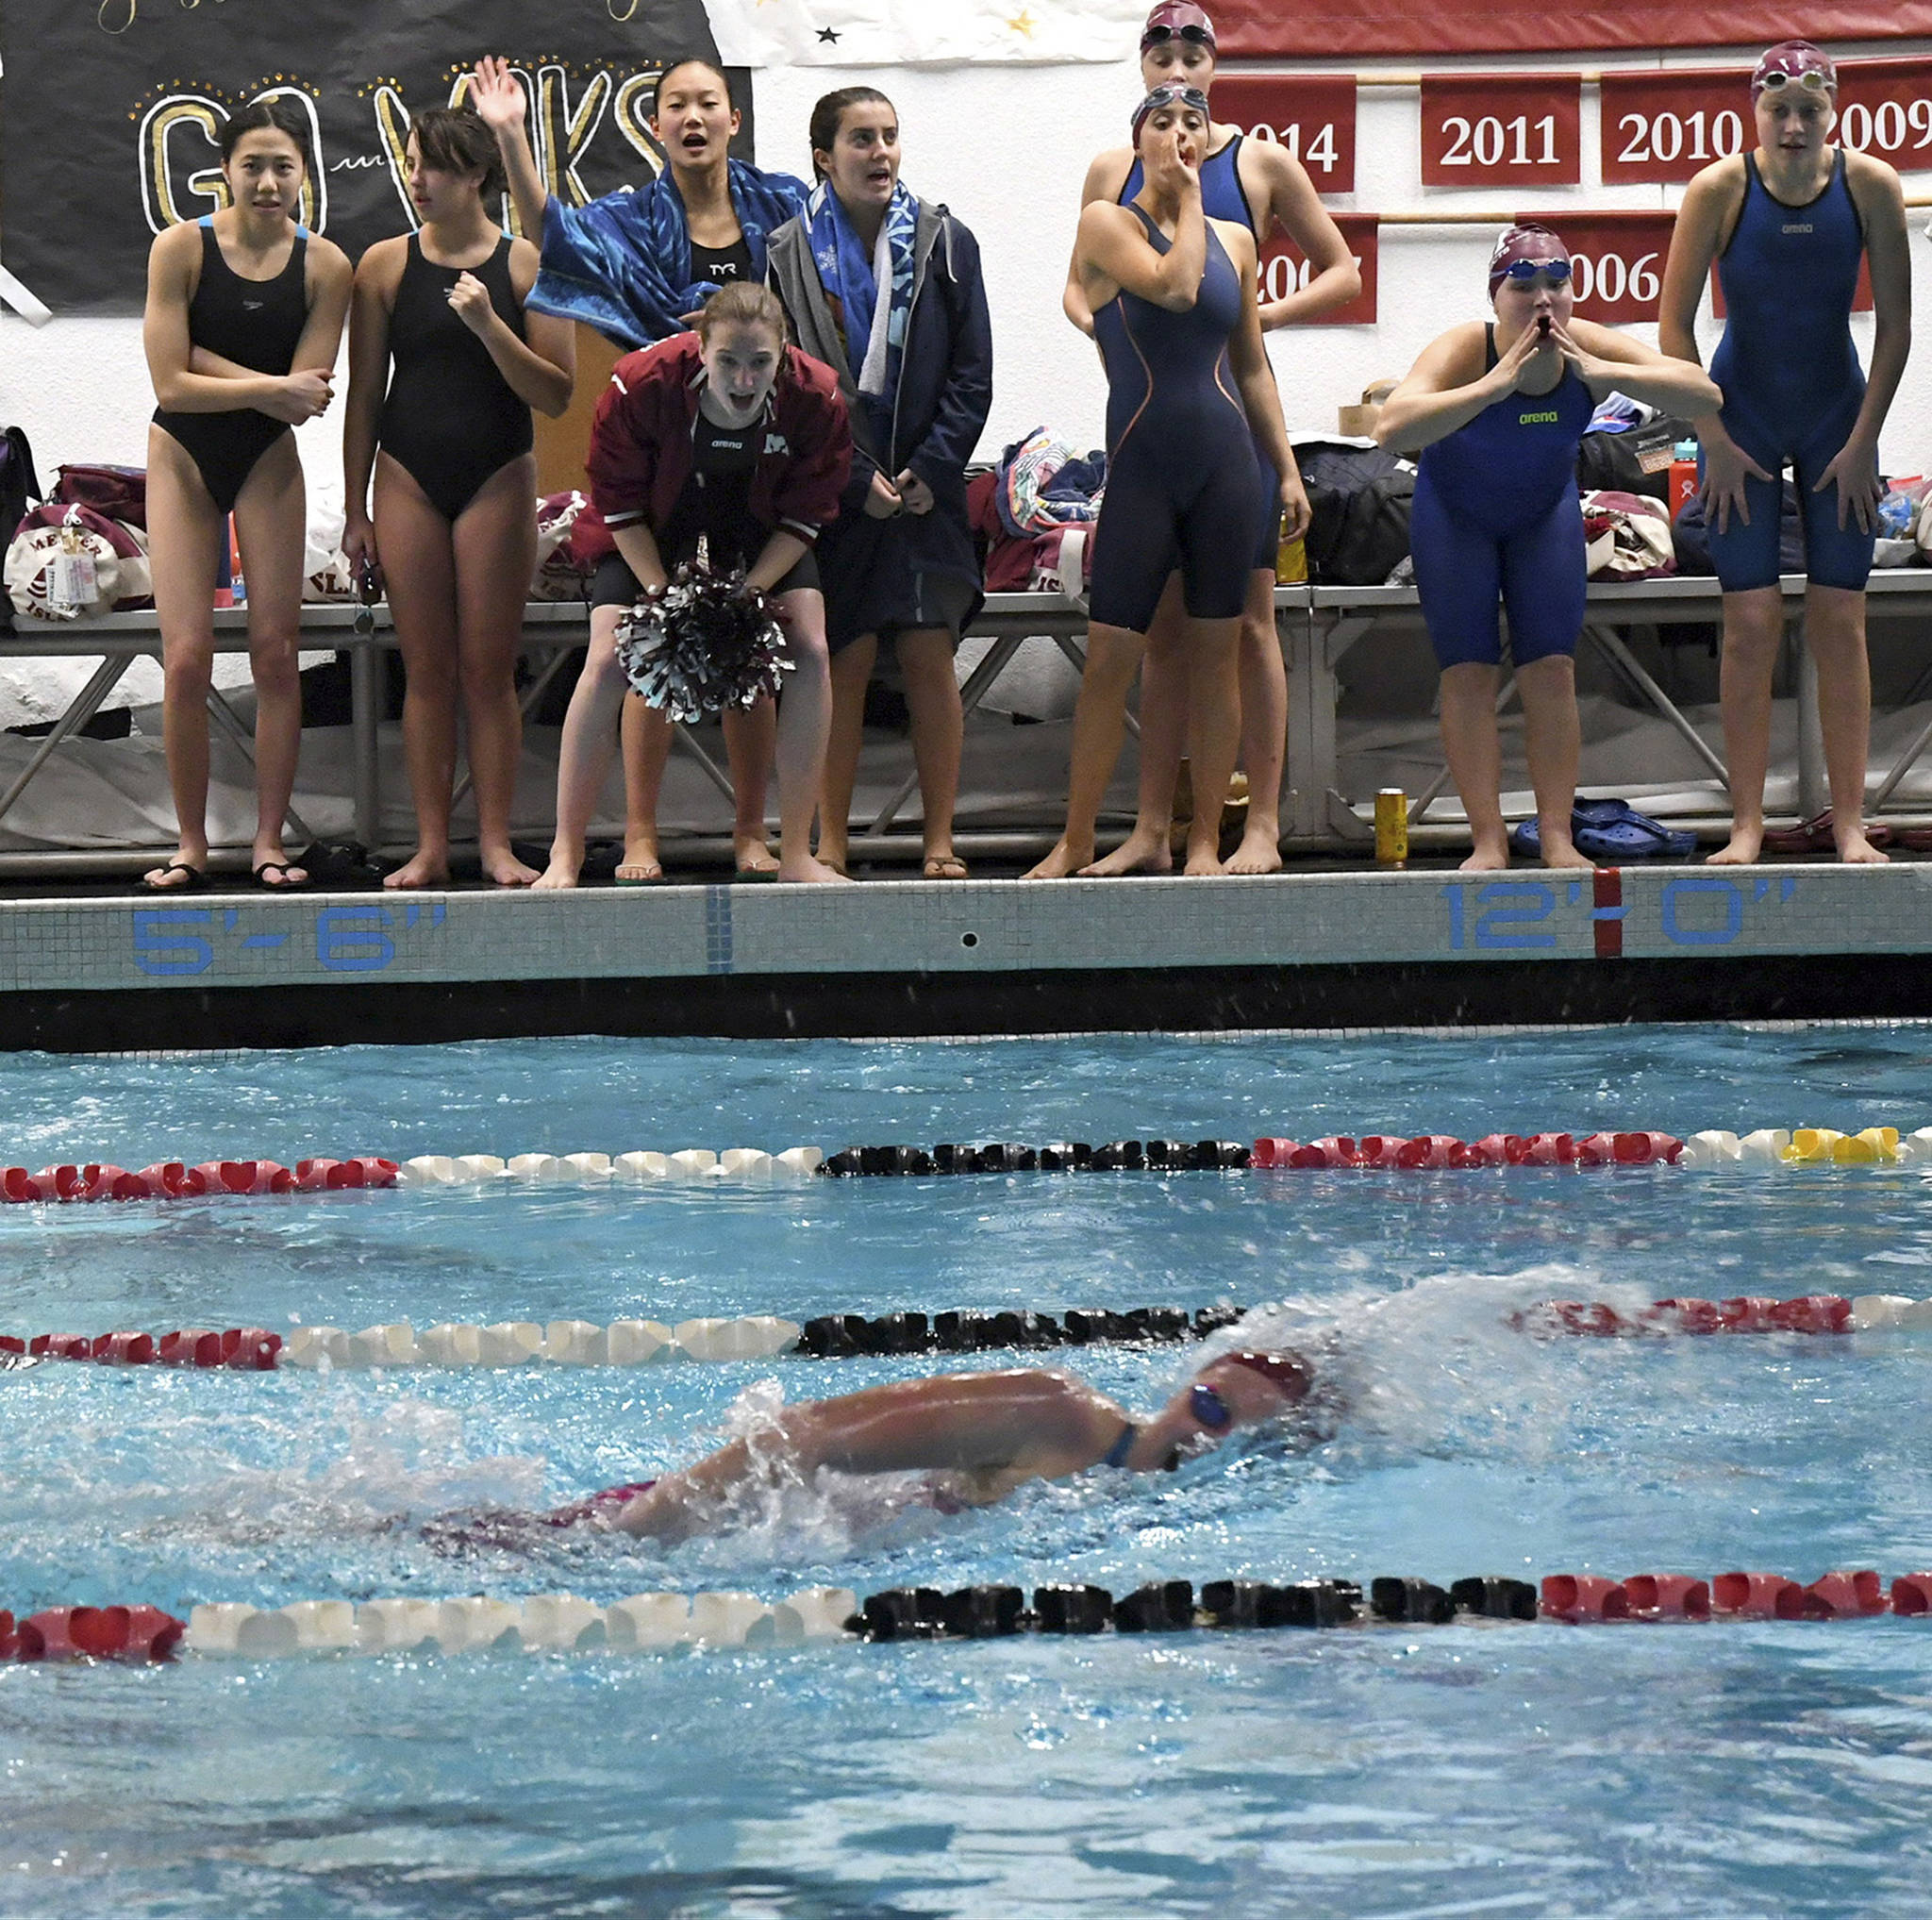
x: 728, y: 434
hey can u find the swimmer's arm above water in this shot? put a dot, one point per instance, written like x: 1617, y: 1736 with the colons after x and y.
x: 1026, y: 1423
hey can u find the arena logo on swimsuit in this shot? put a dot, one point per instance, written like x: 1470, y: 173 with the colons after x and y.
x: 1550, y: 418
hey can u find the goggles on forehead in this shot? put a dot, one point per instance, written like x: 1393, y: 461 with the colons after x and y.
x: 1523, y: 271
x: 1811, y: 81
x: 1164, y: 97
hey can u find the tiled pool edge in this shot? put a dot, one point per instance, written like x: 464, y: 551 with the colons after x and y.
x: 1319, y: 951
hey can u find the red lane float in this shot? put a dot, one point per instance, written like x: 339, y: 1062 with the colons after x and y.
x: 1579, y: 1599
x: 132, y: 1633
x: 1912, y: 1594
x: 1667, y: 1597
x: 1432, y: 1150
x: 1817, y: 1313
x: 175, y: 1180
x: 244, y: 1349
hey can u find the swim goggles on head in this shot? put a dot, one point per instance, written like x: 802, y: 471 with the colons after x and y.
x: 1795, y: 63
x: 1523, y: 272
x: 1168, y: 96
x: 1193, y: 35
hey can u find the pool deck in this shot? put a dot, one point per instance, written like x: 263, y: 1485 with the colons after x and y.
x: 1316, y: 949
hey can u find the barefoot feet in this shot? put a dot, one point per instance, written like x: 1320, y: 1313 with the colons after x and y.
x: 1144, y: 851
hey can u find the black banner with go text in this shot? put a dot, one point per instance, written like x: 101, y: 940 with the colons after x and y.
x: 112, y: 110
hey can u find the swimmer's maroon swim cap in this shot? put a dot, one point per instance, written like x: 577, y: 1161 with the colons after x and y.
x: 1288, y: 1373
x: 1529, y: 240
x: 1177, y: 20
x: 1793, y: 62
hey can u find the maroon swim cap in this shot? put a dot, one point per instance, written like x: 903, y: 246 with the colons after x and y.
x: 1177, y: 20
x: 1288, y: 1373
x: 1791, y: 62
x: 1529, y: 240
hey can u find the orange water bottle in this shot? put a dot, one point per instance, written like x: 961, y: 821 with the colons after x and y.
x: 1683, y: 477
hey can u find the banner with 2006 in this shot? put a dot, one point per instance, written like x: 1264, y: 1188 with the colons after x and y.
x: 113, y: 111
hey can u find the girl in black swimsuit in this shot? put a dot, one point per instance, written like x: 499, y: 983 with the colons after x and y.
x: 439, y: 322
x: 244, y: 313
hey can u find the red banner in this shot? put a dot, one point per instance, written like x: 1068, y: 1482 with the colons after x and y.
x: 1267, y: 29
x: 1617, y: 259
x: 1502, y: 129
x: 1885, y: 109
x: 1312, y: 115
x: 1666, y: 126
x: 1285, y: 267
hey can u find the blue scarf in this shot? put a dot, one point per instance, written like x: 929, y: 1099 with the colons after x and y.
x: 874, y: 350
x: 623, y: 264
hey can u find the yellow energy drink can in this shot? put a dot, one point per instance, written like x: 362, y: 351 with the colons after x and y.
x: 1290, y: 562
x: 1391, y: 827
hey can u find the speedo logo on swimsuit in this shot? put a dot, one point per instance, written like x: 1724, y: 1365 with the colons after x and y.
x: 1551, y: 418
x: 1795, y: 227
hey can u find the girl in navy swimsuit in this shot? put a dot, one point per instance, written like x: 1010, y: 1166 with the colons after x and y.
x: 439, y: 324
x: 244, y: 313
x: 1497, y: 410
x: 1261, y: 186
x: 1189, y: 390
x: 1787, y: 225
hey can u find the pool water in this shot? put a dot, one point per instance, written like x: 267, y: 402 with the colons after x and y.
x: 1727, y: 1770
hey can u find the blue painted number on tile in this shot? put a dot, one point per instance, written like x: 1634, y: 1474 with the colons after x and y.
x: 354, y: 940
x: 1732, y: 903
x: 157, y: 950
x: 1506, y: 904
x: 1514, y: 903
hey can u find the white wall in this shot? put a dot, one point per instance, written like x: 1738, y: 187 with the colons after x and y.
x: 1007, y: 149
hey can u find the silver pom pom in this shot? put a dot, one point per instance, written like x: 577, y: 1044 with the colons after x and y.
x: 702, y: 642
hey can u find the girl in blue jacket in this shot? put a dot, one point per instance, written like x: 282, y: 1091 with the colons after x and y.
x: 886, y: 287
x: 637, y: 267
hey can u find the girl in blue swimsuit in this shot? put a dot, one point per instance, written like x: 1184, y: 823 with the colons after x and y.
x: 1260, y: 186
x: 1497, y: 410
x: 1787, y: 225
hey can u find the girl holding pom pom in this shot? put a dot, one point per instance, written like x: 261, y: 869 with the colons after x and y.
x: 728, y: 436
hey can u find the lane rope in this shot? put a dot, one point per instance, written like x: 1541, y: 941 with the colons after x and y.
x: 94, y: 1181
x: 566, y: 1624
x: 840, y: 1336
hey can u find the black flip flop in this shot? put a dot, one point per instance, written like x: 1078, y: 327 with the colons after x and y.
x: 260, y: 877
x: 196, y: 881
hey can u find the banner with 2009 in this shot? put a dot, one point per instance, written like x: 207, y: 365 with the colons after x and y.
x: 112, y: 109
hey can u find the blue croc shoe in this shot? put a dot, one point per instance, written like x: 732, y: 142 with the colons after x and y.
x: 1608, y: 830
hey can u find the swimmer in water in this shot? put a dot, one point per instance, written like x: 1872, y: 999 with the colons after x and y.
x: 979, y: 1436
